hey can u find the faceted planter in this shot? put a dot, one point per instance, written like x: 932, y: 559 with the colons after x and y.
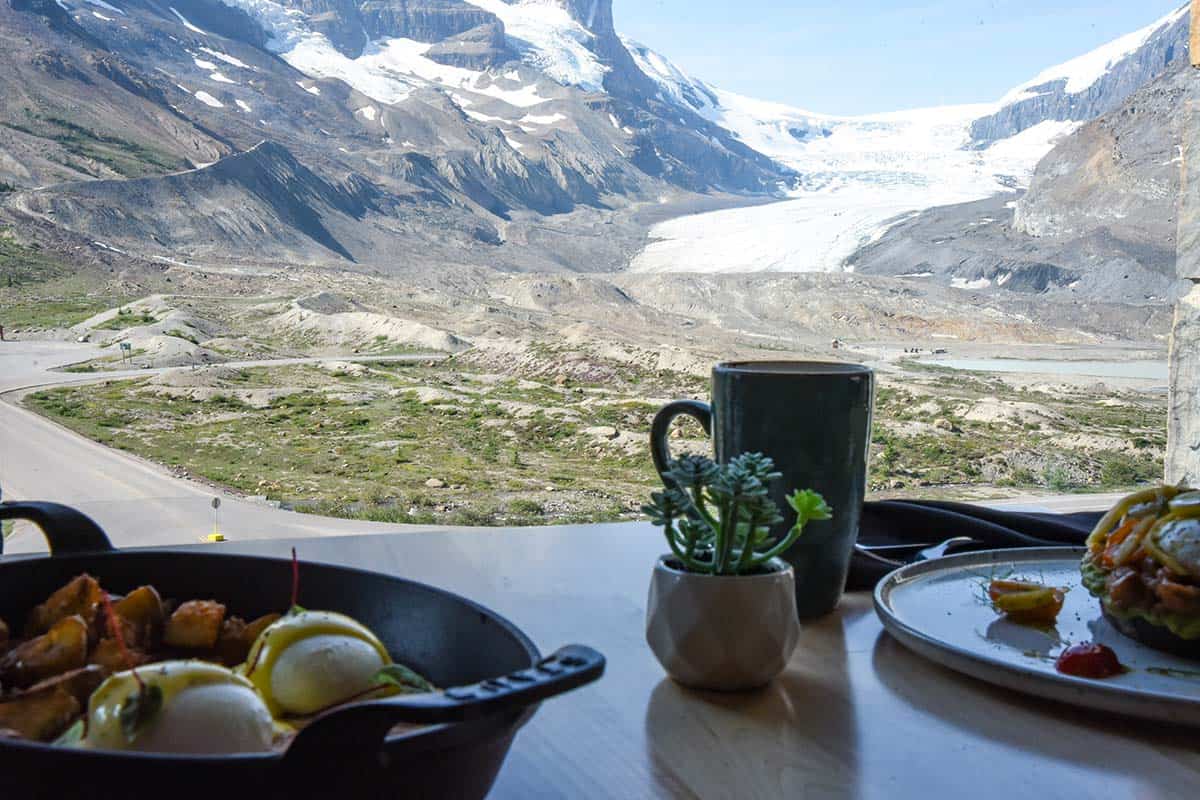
x: 726, y: 632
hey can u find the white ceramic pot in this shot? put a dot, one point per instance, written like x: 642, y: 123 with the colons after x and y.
x: 725, y: 632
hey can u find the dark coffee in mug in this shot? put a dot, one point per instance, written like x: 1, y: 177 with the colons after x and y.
x: 814, y: 420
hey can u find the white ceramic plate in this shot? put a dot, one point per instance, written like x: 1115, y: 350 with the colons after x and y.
x: 940, y: 610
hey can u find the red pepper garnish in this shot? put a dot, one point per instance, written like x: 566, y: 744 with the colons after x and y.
x: 295, y: 579
x: 114, y: 627
x: 1089, y: 660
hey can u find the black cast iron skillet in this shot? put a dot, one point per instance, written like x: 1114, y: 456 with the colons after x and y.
x: 498, y: 674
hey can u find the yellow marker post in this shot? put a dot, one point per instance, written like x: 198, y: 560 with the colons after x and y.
x: 216, y: 535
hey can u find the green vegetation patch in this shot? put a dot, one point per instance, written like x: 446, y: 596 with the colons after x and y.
x: 127, y: 158
x: 453, y: 444
x: 370, y: 447
x: 927, y: 439
x: 22, y: 264
x: 179, y: 333
x: 52, y: 313
x: 128, y: 318
x: 37, y: 290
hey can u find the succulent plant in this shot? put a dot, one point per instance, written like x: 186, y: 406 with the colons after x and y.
x: 718, y: 518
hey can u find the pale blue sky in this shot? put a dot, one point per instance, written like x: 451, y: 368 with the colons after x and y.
x: 877, y: 55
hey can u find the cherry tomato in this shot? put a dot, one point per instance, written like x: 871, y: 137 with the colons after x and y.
x: 1089, y: 660
x: 1024, y: 602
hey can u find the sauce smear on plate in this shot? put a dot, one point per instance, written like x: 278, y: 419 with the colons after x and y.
x: 1089, y: 660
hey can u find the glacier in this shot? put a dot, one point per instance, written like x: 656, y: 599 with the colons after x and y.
x: 859, y: 176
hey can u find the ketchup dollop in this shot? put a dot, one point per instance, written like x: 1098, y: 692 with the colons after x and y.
x: 1089, y: 660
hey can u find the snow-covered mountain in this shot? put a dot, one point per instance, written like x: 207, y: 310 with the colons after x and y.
x: 470, y: 127
x: 1092, y: 84
x: 456, y: 128
x: 401, y: 60
x: 519, y: 55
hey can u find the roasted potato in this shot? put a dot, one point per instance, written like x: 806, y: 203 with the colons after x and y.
x: 64, y: 647
x: 237, y: 637
x: 195, y: 625
x: 142, y: 609
x: 40, y: 715
x: 229, y: 641
x: 79, y: 597
x: 74, y: 640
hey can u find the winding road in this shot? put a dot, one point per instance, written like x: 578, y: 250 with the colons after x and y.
x: 137, y: 502
x: 142, y: 504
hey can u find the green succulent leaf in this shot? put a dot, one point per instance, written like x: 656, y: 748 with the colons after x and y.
x: 758, y: 465
x: 717, y: 519
x: 692, y: 470
x: 809, y: 506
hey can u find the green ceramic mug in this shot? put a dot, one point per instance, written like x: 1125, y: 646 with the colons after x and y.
x: 814, y: 420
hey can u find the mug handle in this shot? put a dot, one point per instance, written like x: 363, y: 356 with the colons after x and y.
x: 659, y: 450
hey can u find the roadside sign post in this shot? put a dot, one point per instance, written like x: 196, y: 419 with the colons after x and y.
x: 126, y: 351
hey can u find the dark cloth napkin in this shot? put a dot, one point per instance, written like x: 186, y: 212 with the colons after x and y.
x: 905, y: 522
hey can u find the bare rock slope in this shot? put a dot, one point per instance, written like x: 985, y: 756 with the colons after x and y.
x: 1099, y: 218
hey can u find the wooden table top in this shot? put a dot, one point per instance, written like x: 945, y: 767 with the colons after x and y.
x: 855, y: 714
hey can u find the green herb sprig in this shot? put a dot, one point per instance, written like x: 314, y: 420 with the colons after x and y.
x: 139, y: 709
x: 402, y: 678
x: 717, y: 518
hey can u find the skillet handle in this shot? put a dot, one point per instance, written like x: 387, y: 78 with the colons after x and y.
x: 360, y: 728
x: 68, y: 531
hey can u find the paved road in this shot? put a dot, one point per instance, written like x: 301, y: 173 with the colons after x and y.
x: 142, y: 504
x: 136, y: 502
x: 1061, y: 504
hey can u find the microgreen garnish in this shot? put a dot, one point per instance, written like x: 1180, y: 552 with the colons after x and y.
x: 139, y: 710
x: 981, y: 582
x: 73, y: 735
x: 402, y: 678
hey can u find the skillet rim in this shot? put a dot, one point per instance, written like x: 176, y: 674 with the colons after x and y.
x: 427, y: 738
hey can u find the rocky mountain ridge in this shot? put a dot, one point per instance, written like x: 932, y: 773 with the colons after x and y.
x: 261, y: 195
x: 1094, y: 84
x: 512, y: 134
x: 1098, y: 219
